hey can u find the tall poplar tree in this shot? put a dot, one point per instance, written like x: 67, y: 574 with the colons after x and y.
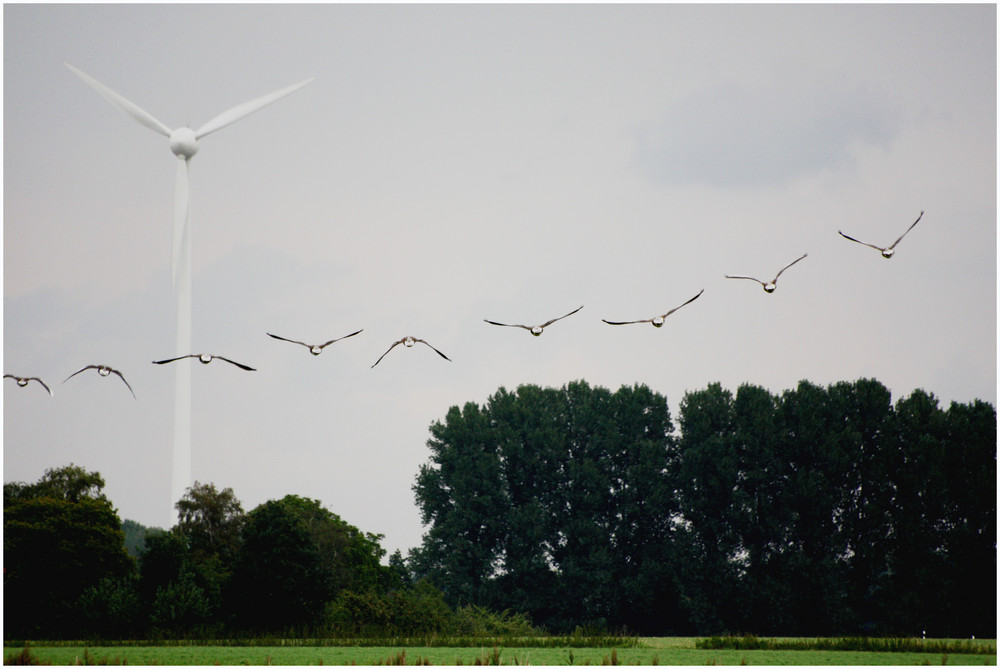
x: 552, y: 502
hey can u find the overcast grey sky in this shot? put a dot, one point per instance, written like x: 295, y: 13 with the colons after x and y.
x: 452, y: 163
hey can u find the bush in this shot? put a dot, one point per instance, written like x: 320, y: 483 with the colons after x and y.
x: 180, y: 606
x: 357, y: 614
x: 417, y: 610
x: 112, y: 608
x: 478, y: 621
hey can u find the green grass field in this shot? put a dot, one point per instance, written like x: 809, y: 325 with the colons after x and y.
x: 649, y: 651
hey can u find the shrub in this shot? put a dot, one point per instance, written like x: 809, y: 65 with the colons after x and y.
x: 180, y: 606
x: 477, y: 621
x: 112, y: 608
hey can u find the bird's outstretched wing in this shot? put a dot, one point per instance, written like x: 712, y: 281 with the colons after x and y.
x: 508, y: 325
x: 685, y: 304
x: 395, y: 344
x: 752, y: 278
x: 877, y: 248
x: 181, y: 357
x: 35, y: 378
x: 122, y: 377
x: 80, y: 370
x: 301, y: 343
x: 788, y: 265
x: 435, y: 350
x: 548, y: 323
x: 233, y: 362
x: 907, y: 230
x: 645, y: 320
x: 338, y: 338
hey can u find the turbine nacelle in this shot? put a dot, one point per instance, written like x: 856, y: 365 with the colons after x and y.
x: 184, y: 142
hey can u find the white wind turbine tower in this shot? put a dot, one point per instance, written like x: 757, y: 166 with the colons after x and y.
x: 184, y: 144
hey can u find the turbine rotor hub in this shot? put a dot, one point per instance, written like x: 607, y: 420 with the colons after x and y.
x: 183, y: 142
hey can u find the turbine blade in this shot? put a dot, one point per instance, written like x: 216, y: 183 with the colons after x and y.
x: 130, y: 108
x: 239, y: 111
x: 182, y: 219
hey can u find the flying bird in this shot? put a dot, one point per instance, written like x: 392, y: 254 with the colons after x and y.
x: 23, y: 381
x: 657, y: 321
x: 205, y: 358
x: 315, y: 349
x: 103, y: 370
x: 886, y: 251
x: 408, y: 342
x: 769, y: 286
x: 534, y: 329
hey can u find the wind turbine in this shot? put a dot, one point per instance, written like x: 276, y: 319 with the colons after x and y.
x: 184, y: 145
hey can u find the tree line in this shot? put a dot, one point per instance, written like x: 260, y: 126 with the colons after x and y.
x: 289, y: 567
x: 818, y: 511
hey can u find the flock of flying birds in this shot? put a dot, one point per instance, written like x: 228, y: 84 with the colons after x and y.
x: 409, y: 342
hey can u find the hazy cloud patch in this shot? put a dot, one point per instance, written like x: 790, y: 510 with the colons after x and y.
x: 733, y: 136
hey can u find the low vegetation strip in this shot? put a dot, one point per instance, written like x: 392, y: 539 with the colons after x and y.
x: 863, y: 644
x: 430, y: 641
x: 651, y: 651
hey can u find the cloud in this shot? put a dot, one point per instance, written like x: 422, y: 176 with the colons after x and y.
x: 737, y: 136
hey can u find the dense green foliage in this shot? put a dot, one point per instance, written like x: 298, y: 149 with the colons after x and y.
x: 816, y: 512
x: 289, y: 566
x: 819, y: 511
x: 61, y: 538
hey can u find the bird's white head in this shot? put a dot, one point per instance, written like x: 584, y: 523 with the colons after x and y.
x: 183, y: 142
x: 537, y: 330
x: 315, y: 350
x: 104, y: 371
x: 205, y: 358
x: 887, y: 253
x: 409, y: 342
x: 657, y: 322
x: 769, y: 287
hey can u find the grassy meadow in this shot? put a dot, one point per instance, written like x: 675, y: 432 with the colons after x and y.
x: 631, y: 651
